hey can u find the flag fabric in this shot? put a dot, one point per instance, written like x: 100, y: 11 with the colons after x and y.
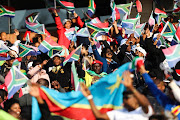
x: 83, y: 32
x: 6, y: 116
x: 33, y: 25
x: 139, y: 6
x: 14, y: 80
x: 124, y: 8
x: 158, y: 11
x: 107, y: 94
x: 176, y: 9
x: 66, y: 5
x: 73, y: 56
x: 7, y: 11
x: 177, y: 34
x: 74, y: 77
x: 3, y: 48
x: 129, y: 23
x: 172, y: 55
x: 48, y: 44
x: 151, y: 20
x: 140, y: 26
x: 138, y: 16
x: 27, y: 38
x: 160, y: 14
x: 25, y: 51
x: 95, y: 20
x: 91, y: 8
x: 71, y: 33
x: 169, y: 30
x: 95, y: 31
x: 86, y: 17
x: 115, y: 12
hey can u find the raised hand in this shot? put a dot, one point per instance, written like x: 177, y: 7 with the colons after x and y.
x: 128, y: 82
x: 34, y: 90
x: 85, y: 91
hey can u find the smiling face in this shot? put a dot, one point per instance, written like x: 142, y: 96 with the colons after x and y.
x: 57, y: 61
x: 109, y: 54
x: 68, y: 25
x: 15, y: 108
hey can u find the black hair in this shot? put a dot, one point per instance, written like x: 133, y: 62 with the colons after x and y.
x: 35, y: 39
x: 3, y: 93
x: 86, y: 46
x: 103, y: 53
x: 9, y: 103
x: 157, y: 73
x: 157, y: 117
x: 127, y: 92
x: 36, y: 62
x: 45, y: 82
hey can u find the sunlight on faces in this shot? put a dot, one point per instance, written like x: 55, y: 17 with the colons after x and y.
x: 15, y: 108
x: 68, y: 25
x: 57, y: 61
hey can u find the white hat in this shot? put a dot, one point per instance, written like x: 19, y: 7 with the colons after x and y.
x: 66, y: 20
x: 140, y: 49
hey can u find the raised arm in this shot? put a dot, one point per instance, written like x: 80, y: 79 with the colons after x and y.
x: 86, y: 92
x: 80, y: 23
x: 142, y: 100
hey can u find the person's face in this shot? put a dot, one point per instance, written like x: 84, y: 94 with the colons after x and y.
x: 130, y: 102
x: 10, y: 62
x: 73, y: 20
x: 161, y: 86
x: 128, y: 48
x: 140, y: 54
x: 67, y: 25
x: 16, y: 108
x: 84, y: 51
x: 147, y: 31
x: 36, y: 44
x: 57, y: 61
x: 3, y: 36
x: 97, y: 68
x: 109, y: 53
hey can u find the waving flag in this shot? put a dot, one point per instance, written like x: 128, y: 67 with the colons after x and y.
x: 130, y: 23
x: 7, y: 11
x: 74, y: 77
x: 33, y: 25
x: 73, y: 56
x: 96, y: 31
x: 140, y: 26
x: 124, y: 8
x: 83, y: 32
x: 95, y: 20
x: 14, y: 80
x: 91, y: 8
x: 158, y: 11
x: 176, y: 9
x: 139, y: 6
x: 25, y: 51
x: 169, y: 29
x: 107, y: 93
x: 151, y: 20
x: 47, y: 44
x: 66, y: 5
x: 3, y: 48
x: 115, y: 12
x: 71, y: 33
x: 138, y: 16
x: 27, y: 38
x: 177, y: 34
x: 172, y: 55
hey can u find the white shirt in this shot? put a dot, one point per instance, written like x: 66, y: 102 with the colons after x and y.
x: 124, y: 114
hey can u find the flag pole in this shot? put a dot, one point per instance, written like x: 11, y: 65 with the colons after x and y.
x: 9, y: 20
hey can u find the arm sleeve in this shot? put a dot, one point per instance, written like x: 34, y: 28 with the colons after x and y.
x: 33, y: 71
x: 98, y: 57
x: 79, y: 22
x: 114, y: 57
x: 162, y: 99
x: 119, y: 38
x: 63, y: 40
x: 175, y: 90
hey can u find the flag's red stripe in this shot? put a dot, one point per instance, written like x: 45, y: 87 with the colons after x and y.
x: 9, y: 8
x: 68, y: 4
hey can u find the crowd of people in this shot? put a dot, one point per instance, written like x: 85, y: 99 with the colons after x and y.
x: 150, y: 94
